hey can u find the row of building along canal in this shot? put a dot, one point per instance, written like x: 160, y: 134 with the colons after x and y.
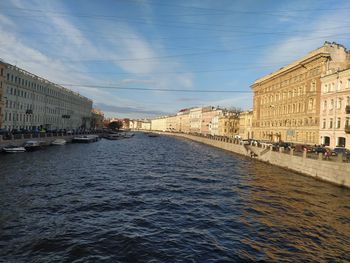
x: 165, y: 199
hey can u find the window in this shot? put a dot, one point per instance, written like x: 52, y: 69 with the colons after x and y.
x: 339, y: 85
x: 327, y: 141
x: 331, y: 123
x: 325, y: 88
x: 311, y: 104
x: 332, y: 105
x: 325, y: 105
x: 338, y: 123
x: 341, y: 142
x: 324, y: 124
x: 332, y: 87
x: 313, y: 86
x: 339, y: 102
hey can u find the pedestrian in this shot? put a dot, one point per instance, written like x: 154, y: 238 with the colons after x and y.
x: 326, y: 154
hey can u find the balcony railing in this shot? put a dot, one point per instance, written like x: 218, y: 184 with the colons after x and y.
x: 347, y: 129
x: 347, y: 109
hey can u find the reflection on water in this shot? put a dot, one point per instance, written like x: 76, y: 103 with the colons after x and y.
x: 164, y: 200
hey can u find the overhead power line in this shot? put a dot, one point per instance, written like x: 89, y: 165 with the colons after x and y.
x: 152, y: 89
x: 279, y: 13
x: 173, y: 90
x: 242, y: 11
x: 184, y: 54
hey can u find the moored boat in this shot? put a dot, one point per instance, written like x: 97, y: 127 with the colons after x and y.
x: 153, y: 135
x: 32, y: 145
x: 13, y: 149
x: 85, y: 138
x: 128, y: 135
x: 113, y: 136
x: 59, y: 142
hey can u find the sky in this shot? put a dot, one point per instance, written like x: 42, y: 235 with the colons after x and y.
x: 148, y: 58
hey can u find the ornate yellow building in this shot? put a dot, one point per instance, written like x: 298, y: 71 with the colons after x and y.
x: 286, y: 105
x: 229, y: 124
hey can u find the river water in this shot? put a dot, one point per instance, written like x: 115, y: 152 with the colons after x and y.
x: 164, y: 199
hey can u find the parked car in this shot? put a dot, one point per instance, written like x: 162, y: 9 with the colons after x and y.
x: 342, y: 150
x: 301, y: 147
x: 285, y: 145
x: 319, y: 149
x: 247, y: 141
x: 3, y: 132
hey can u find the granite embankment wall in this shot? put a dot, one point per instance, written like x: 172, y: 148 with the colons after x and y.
x: 336, y: 172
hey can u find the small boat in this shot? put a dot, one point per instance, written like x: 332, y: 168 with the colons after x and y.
x: 113, y: 136
x: 85, y: 138
x: 32, y: 145
x: 128, y: 135
x: 153, y: 135
x: 14, y: 149
x: 59, y: 142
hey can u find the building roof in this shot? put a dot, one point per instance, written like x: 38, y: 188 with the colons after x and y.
x: 33, y: 76
x: 323, y: 51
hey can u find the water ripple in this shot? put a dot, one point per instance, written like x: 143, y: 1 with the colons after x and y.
x: 165, y: 200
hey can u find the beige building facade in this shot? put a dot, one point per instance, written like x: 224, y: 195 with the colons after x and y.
x: 195, y: 115
x: 286, y: 104
x: 208, y: 114
x: 184, y: 120
x: 245, y: 125
x: 214, y: 125
x: 335, y: 109
x: 172, y: 123
x: 159, y: 124
x: 146, y: 125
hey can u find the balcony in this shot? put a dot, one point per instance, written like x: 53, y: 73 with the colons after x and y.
x: 347, y: 109
x: 347, y: 129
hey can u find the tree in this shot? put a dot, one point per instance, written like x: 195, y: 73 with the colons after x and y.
x: 115, y: 125
x: 236, y: 110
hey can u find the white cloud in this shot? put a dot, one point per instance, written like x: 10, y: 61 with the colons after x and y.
x: 6, y: 21
x: 330, y: 27
x: 67, y: 41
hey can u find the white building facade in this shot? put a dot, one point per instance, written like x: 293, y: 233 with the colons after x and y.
x: 31, y: 102
x: 335, y: 109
